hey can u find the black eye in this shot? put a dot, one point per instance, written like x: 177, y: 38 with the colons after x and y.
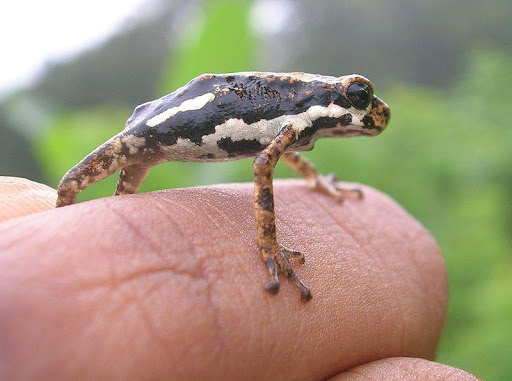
x: 359, y: 95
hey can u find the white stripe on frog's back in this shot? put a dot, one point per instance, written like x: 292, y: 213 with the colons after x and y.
x: 196, y: 103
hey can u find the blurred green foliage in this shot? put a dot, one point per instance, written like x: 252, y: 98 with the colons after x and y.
x: 224, y: 45
x: 446, y: 157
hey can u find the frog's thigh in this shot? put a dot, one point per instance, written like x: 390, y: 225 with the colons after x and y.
x: 131, y: 178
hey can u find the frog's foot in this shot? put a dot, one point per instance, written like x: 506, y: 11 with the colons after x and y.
x: 278, y: 263
x: 329, y: 184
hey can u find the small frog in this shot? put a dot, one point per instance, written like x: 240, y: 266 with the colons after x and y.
x: 220, y: 117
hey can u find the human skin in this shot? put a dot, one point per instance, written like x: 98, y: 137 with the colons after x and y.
x: 169, y: 285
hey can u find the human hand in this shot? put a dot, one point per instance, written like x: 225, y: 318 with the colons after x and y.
x: 169, y: 285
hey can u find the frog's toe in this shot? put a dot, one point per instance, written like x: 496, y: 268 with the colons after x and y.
x: 279, y: 264
x: 272, y: 287
x: 329, y: 185
x: 293, y: 254
x: 305, y: 292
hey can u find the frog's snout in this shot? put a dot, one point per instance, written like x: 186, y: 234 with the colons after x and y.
x: 379, y: 115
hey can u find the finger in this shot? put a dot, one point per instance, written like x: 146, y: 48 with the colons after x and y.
x: 170, y: 285
x: 400, y: 368
x: 19, y: 197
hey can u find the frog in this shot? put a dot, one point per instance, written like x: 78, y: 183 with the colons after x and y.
x: 267, y: 116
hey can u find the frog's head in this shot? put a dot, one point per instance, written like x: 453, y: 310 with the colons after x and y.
x: 357, y: 111
x: 371, y: 112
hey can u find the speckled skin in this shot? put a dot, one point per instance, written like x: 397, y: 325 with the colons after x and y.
x: 219, y: 117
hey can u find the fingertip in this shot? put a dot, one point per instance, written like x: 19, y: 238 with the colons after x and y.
x: 20, y: 197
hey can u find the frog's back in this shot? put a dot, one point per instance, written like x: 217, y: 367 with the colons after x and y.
x: 238, y: 112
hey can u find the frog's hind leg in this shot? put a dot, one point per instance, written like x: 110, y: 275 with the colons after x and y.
x: 110, y: 157
x: 131, y: 178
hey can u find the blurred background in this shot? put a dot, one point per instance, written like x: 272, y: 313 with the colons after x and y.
x: 71, y: 76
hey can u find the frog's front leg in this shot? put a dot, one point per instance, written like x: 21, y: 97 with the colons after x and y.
x: 327, y: 184
x: 276, y: 256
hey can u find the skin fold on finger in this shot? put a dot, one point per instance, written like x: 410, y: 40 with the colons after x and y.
x: 404, y: 368
x: 170, y: 285
x: 19, y: 197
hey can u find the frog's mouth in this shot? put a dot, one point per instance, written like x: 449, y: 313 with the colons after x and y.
x: 357, y: 131
x: 348, y: 131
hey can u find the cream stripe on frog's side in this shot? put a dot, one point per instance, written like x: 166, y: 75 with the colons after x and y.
x: 264, y: 131
x: 335, y: 111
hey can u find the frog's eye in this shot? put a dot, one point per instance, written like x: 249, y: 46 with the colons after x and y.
x: 359, y: 95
